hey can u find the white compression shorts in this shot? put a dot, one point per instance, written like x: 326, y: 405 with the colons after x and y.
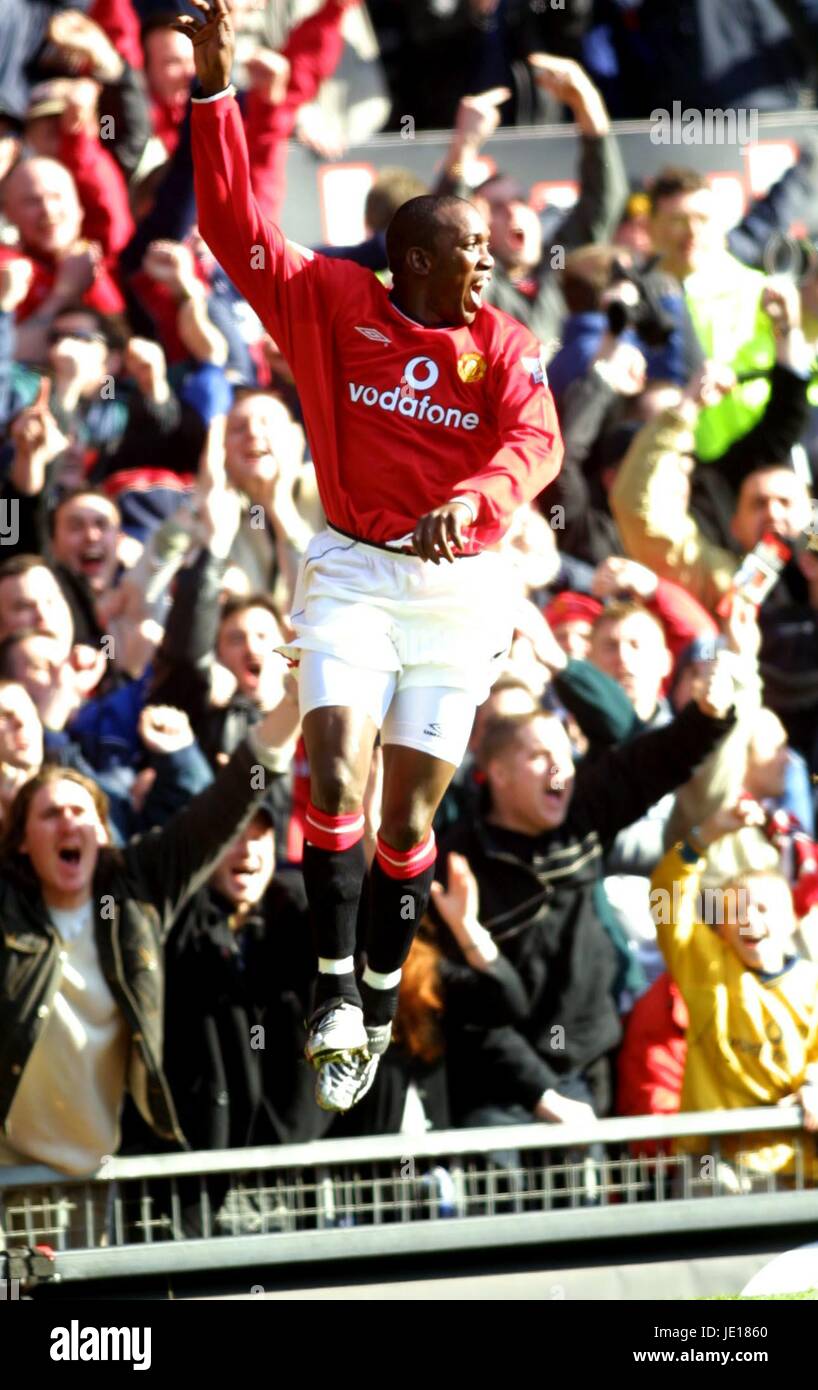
x: 434, y: 719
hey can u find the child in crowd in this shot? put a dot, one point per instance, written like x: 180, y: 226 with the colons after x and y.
x: 753, y: 1003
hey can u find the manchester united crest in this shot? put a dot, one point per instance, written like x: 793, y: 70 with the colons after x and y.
x: 471, y: 366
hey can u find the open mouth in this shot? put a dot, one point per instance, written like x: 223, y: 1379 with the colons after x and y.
x: 244, y: 876
x: 70, y: 856
x: 477, y: 290
x: 92, y: 561
x: 252, y: 669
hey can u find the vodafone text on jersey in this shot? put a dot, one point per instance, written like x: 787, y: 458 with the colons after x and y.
x: 411, y: 397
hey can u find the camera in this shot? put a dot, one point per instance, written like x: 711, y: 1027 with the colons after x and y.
x: 646, y: 316
x: 794, y: 258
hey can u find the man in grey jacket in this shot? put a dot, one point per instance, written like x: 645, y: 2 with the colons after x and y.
x: 526, y: 252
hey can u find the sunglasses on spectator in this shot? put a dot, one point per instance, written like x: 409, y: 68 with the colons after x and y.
x: 82, y: 335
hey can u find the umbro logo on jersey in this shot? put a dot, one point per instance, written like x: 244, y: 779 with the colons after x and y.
x: 373, y: 334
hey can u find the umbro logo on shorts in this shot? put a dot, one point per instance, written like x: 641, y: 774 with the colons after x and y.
x: 373, y: 334
x: 433, y: 731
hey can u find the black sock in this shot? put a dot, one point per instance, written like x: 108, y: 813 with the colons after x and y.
x: 379, y: 1005
x: 331, y: 988
x: 396, y: 905
x: 333, y: 881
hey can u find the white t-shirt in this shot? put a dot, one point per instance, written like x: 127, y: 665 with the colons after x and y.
x: 67, y: 1106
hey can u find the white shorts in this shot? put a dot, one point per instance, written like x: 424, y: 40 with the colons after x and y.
x: 434, y: 719
x: 430, y: 628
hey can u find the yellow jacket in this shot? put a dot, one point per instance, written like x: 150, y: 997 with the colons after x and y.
x: 750, y: 1039
x: 649, y: 500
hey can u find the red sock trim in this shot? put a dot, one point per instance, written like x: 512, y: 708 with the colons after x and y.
x: 332, y: 832
x: 406, y: 863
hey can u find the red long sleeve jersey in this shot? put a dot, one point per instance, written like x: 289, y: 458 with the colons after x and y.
x: 400, y: 418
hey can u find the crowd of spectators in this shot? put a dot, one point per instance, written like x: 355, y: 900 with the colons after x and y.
x: 625, y: 919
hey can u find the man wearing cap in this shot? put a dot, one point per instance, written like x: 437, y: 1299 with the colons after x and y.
x: 571, y: 618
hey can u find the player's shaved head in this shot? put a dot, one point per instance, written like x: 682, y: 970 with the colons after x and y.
x: 438, y: 254
x: 417, y: 223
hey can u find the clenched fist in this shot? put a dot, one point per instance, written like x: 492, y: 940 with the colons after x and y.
x: 164, y: 729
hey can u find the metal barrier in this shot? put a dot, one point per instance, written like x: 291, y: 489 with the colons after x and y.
x: 450, y: 1190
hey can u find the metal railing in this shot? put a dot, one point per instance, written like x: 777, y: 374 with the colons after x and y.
x: 450, y: 1190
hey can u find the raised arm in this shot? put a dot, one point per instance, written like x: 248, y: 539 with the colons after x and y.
x: 105, y: 45
x: 171, y: 864
x: 100, y: 184
x: 598, y: 703
x: 787, y: 410
x: 38, y: 443
x: 181, y: 768
x: 603, y: 184
x: 259, y: 260
x: 720, y: 779
x: 650, y: 503
x: 174, y: 209
x: 283, y: 282
x: 674, y: 894
x: 674, y: 887
x: 185, y: 661
x: 620, y: 785
x: 790, y: 199
x: 281, y: 83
